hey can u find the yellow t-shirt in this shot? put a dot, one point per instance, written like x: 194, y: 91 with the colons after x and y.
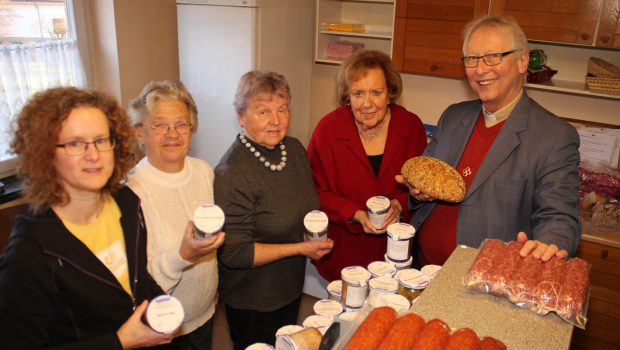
x: 104, y: 237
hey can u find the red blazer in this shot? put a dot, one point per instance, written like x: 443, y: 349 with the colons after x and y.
x: 344, y: 180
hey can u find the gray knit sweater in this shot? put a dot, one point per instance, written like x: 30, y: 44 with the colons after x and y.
x: 267, y: 207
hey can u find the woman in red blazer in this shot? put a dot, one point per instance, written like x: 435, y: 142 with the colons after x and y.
x: 355, y: 152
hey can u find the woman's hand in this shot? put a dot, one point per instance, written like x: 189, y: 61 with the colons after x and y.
x: 361, y: 216
x: 393, y: 214
x: 193, y: 249
x: 413, y: 191
x: 135, y: 334
x: 315, y: 250
x: 538, y: 249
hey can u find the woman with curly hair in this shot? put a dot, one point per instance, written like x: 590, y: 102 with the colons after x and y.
x: 74, y: 272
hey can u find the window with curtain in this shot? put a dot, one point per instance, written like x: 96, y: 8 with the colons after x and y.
x: 38, y: 50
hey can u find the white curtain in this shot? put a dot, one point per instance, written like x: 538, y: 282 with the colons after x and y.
x: 28, y: 68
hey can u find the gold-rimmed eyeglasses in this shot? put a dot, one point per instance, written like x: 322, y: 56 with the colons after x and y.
x: 491, y: 59
x: 162, y: 128
x: 77, y: 148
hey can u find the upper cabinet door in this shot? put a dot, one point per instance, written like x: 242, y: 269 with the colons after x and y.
x: 427, y: 34
x: 609, y: 28
x: 565, y: 21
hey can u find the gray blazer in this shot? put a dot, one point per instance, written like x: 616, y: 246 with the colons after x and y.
x: 527, y: 182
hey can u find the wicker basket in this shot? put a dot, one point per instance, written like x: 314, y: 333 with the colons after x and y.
x: 600, y: 68
x: 603, y: 85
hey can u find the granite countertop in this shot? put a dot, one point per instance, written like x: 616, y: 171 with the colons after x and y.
x: 447, y: 299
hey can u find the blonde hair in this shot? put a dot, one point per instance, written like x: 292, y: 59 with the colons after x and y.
x: 506, y: 24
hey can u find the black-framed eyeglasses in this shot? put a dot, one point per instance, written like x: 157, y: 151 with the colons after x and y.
x: 163, y: 128
x: 491, y: 59
x: 77, y: 148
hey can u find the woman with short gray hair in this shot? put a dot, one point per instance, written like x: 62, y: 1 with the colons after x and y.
x: 171, y: 185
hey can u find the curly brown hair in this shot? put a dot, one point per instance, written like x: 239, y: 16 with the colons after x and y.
x: 36, y: 135
x: 357, y: 66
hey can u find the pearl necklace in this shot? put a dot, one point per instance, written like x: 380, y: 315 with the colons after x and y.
x: 367, y: 136
x: 261, y: 158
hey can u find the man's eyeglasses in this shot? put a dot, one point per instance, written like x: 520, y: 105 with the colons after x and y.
x: 491, y: 59
x: 77, y: 148
x: 163, y: 128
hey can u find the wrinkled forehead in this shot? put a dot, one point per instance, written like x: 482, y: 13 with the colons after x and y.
x: 268, y: 96
x: 491, y: 36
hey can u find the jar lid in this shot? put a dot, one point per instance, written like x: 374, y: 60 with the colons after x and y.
x: 348, y: 315
x: 327, y: 308
x: 260, y: 346
x: 319, y: 322
x: 400, y: 231
x: 395, y: 301
x: 399, y: 265
x: 288, y: 329
x: 209, y: 218
x: 384, y: 283
x: 355, y: 275
x: 378, y: 204
x: 412, y: 278
x: 381, y: 268
x: 316, y: 221
x: 431, y: 270
x: 335, y: 287
x: 164, y: 314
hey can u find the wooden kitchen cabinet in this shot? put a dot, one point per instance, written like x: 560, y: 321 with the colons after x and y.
x: 565, y: 21
x: 603, y: 326
x: 427, y: 34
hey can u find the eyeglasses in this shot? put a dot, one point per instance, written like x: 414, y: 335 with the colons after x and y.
x: 77, y: 148
x: 163, y: 128
x: 492, y: 59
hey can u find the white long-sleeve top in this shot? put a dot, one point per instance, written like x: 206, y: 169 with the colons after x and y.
x: 168, y: 202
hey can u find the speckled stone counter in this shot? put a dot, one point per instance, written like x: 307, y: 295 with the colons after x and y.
x: 446, y: 298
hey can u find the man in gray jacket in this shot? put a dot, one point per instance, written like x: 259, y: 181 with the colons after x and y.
x: 518, y: 160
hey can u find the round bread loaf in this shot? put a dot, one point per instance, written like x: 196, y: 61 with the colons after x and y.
x: 434, y: 178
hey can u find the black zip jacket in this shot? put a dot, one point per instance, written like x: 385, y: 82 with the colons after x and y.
x: 55, y: 293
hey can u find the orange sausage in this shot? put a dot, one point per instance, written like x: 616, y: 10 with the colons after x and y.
x: 403, y: 333
x: 372, y: 331
x: 463, y: 339
x: 433, y: 337
x: 490, y: 343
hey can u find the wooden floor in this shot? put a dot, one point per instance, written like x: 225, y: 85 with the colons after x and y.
x: 221, y: 338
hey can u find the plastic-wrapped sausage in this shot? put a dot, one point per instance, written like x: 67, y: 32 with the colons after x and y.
x: 550, y: 284
x: 373, y: 330
x: 403, y: 333
x: 490, y: 343
x: 478, y: 274
x: 463, y: 339
x: 502, y: 266
x: 434, y: 336
x: 573, y: 294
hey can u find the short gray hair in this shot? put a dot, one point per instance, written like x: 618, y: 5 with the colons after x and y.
x: 162, y: 90
x: 256, y: 82
x: 506, y: 24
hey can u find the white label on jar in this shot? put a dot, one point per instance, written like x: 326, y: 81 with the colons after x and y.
x: 398, y: 250
x: 348, y: 316
x: 208, y: 219
x: 321, y: 323
x: 381, y: 268
x: 377, y: 206
x: 399, y: 265
x: 316, y: 221
x: 327, y: 308
x: 355, y: 275
x: 356, y: 296
x: 289, y: 329
x: 412, y: 278
x: 164, y: 314
x: 395, y: 301
x: 334, y: 288
x: 431, y: 270
x: 384, y: 284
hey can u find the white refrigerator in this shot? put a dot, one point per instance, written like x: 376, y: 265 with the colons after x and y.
x: 220, y: 40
